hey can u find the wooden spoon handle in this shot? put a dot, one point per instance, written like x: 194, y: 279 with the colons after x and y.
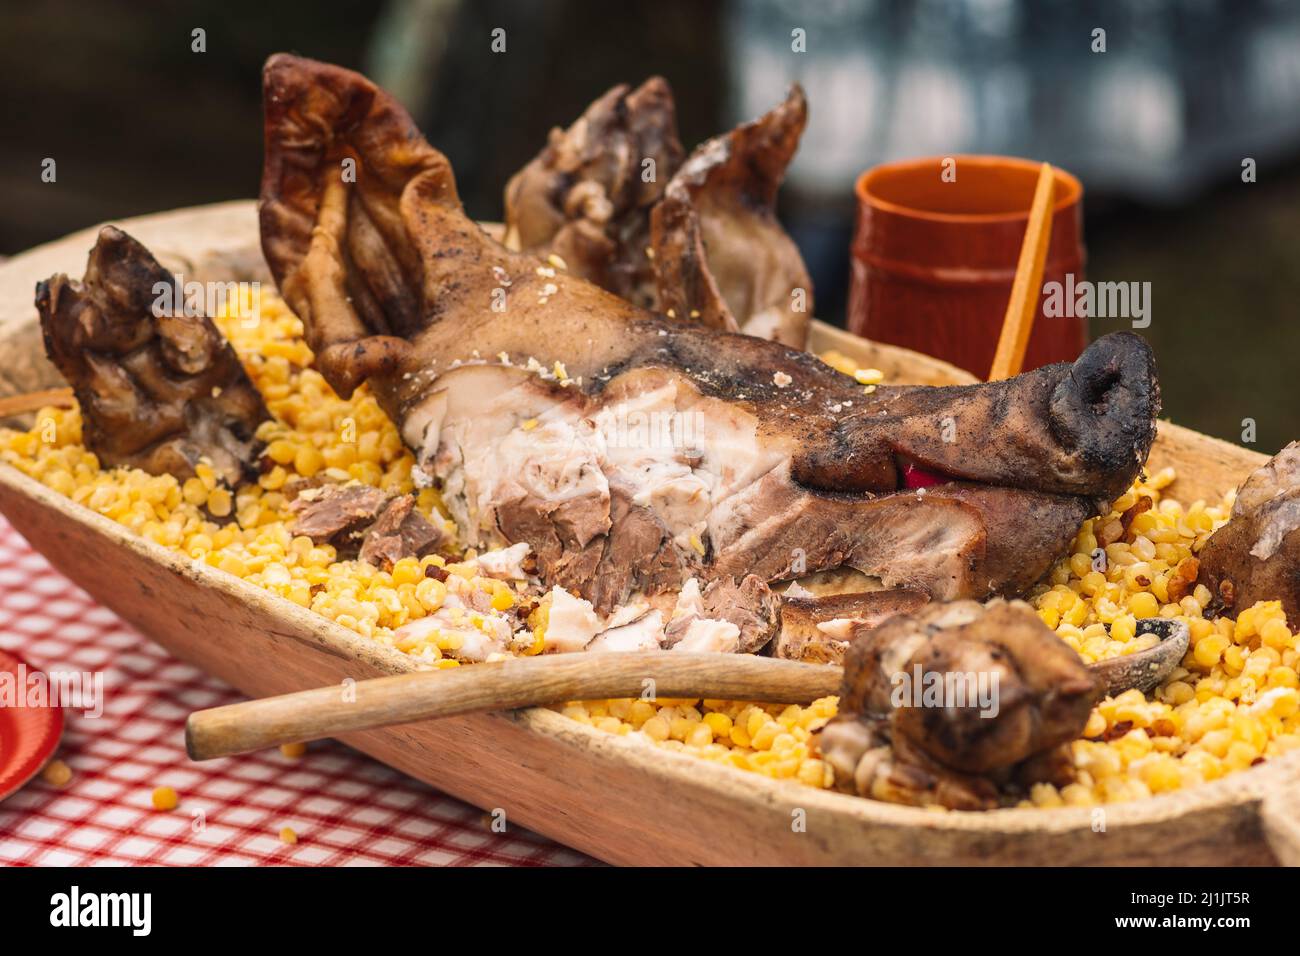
x: 503, y: 685
x: 34, y: 401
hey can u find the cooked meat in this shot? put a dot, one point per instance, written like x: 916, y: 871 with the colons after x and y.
x: 360, y: 520
x: 587, y: 196
x: 749, y: 611
x: 334, y: 514
x: 631, y: 452
x: 939, y: 705
x: 1256, y: 555
x: 159, y: 389
x: 721, y: 256
x: 818, y: 630
x: 399, y: 532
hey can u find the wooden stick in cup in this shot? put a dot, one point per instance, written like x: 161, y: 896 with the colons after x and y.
x: 1022, y: 310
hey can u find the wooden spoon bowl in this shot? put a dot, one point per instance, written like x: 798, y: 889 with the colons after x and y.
x: 1145, y: 669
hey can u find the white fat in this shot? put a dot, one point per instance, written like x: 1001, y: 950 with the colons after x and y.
x: 1282, y: 520
x: 764, y: 324
x: 706, y: 634
x: 689, y: 601
x: 797, y: 590
x: 642, y: 634
x: 477, y: 643
x: 1264, y: 702
x: 572, y: 622
x: 843, y: 743
x: 839, y: 628
x: 475, y: 646
x: 422, y: 426
x: 627, y: 613
x: 505, y: 435
x: 505, y: 563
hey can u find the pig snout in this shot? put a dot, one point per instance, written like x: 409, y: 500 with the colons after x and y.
x: 1103, y: 409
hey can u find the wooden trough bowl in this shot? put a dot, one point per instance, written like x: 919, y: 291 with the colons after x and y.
x: 618, y: 798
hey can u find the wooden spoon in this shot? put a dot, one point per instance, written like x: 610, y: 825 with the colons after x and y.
x: 527, y: 682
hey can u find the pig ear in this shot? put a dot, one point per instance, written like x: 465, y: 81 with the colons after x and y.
x: 587, y: 195
x: 724, y: 197
x: 340, y: 156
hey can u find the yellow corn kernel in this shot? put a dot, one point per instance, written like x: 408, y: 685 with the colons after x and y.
x: 1275, y: 634
x: 1208, y: 650
x: 57, y: 773
x: 656, y: 728
x: 219, y: 502
x: 164, y: 798
x: 287, y: 835
x: 307, y: 461
x: 503, y: 599
x: 408, y: 571
x: 194, y: 492
x: 1143, y: 604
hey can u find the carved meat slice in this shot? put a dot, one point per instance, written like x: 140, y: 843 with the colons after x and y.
x: 1256, y: 555
x: 721, y: 256
x: 361, y: 520
x: 332, y: 514
x: 159, y: 389
x: 940, y: 705
x: 399, y: 532
x: 587, y: 196
x: 631, y: 452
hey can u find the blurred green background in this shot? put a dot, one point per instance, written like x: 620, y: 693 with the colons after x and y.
x: 1156, y: 127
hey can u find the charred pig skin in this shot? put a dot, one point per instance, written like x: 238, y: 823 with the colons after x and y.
x: 698, y: 240
x: 519, y: 388
x: 159, y: 389
x: 891, y: 741
x: 1256, y: 555
x: 721, y: 257
x: 586, y: 197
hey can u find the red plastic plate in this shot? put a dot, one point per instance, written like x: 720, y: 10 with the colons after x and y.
x: 28, y: 735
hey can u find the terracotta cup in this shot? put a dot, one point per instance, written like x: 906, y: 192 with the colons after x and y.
x: 933, y: 260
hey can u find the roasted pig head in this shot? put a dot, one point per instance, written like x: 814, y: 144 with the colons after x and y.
x: 721, y: 257
x: 1256, y: 555
x: 942, y: 705
x: 159, y: 388
x: 587, y: 196
x: 633, y: 452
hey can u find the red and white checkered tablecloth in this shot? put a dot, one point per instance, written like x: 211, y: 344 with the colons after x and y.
x: 346, y: 809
